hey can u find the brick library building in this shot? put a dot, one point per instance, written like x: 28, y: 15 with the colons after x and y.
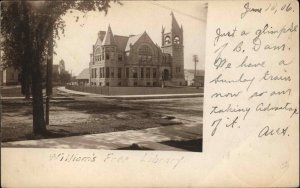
x: 136, y: 60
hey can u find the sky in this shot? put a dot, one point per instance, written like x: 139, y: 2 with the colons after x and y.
x: 133, y: 17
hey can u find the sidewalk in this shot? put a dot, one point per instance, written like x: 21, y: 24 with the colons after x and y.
x: 23, y: 98
x: 131, y: 97
x: 148, y: 138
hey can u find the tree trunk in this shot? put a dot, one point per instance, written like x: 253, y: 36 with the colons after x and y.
x: 39, y: 125
x: 25, y: 80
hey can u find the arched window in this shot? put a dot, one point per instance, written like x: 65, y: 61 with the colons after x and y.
x: 167, y: 40
x: 176, y: 40
x: 98, y: 51
x: 145, y: 54
x: 145, y: 50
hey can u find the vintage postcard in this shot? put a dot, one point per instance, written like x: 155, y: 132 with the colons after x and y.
x: 149, y: 93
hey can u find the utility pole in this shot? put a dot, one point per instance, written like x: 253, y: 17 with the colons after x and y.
x: 49, y: 77
x: 195, y: 58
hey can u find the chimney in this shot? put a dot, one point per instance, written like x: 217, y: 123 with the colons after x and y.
x: 101, y: 35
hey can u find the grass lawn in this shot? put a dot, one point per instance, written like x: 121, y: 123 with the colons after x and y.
x: 13, y: 91
x: 70, y: 118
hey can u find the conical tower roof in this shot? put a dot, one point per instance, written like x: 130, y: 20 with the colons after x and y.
x: 175, y: 25
x: 109, y: 38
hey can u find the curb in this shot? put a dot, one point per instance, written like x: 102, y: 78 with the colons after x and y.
x: 133, y: 97
x: 154, y: 97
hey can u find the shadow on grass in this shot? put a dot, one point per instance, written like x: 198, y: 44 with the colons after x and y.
x: 189, y: 145
x: 134, y: 147
x: 92, y: 107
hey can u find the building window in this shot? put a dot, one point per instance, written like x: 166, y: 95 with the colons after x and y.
x: 134, y: 72
x: 100, y: 72
x: 148, y: 84
x: 120, y: 57
x: 112, y: 56
x: 154, y: 72
x: 119, y: 72
x: 167, y: 40
x: 127, y: 72
x: 142, y: 72
x: 112, y: 73
x: 98, y: 50
x: 145, y: 54
x: 97, y: 58
x: 100, y: 83
x: 119, y: 84
x: 94, y: 73
x: 147, y: 72
x: 107, y: 56
x: 176, y: 40
x: 107, y: 72
x: 154, y: 83
x: 107, y: 83
x: 134, y: 83
x: 144, y: 50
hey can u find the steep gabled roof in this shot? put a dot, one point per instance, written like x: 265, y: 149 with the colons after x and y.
x: 85, y: 74
x: 101, y: 35
x: 132, y: 40
x: 109, y: 38
x: 98, y: 42
x: 121, y: 42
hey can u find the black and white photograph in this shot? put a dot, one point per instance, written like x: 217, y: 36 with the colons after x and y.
x: 146, y: 93
x: 125, y: 75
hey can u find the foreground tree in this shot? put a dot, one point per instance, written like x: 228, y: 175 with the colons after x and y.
x: 26, y: 27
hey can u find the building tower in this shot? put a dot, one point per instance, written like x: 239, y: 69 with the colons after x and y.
x: 172, y: 43
x: 109, y: 48
x: 61, y: 66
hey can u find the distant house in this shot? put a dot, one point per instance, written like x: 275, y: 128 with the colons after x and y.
x: 84, y: 77
x: 10, y: 76
x: 192, y: 80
